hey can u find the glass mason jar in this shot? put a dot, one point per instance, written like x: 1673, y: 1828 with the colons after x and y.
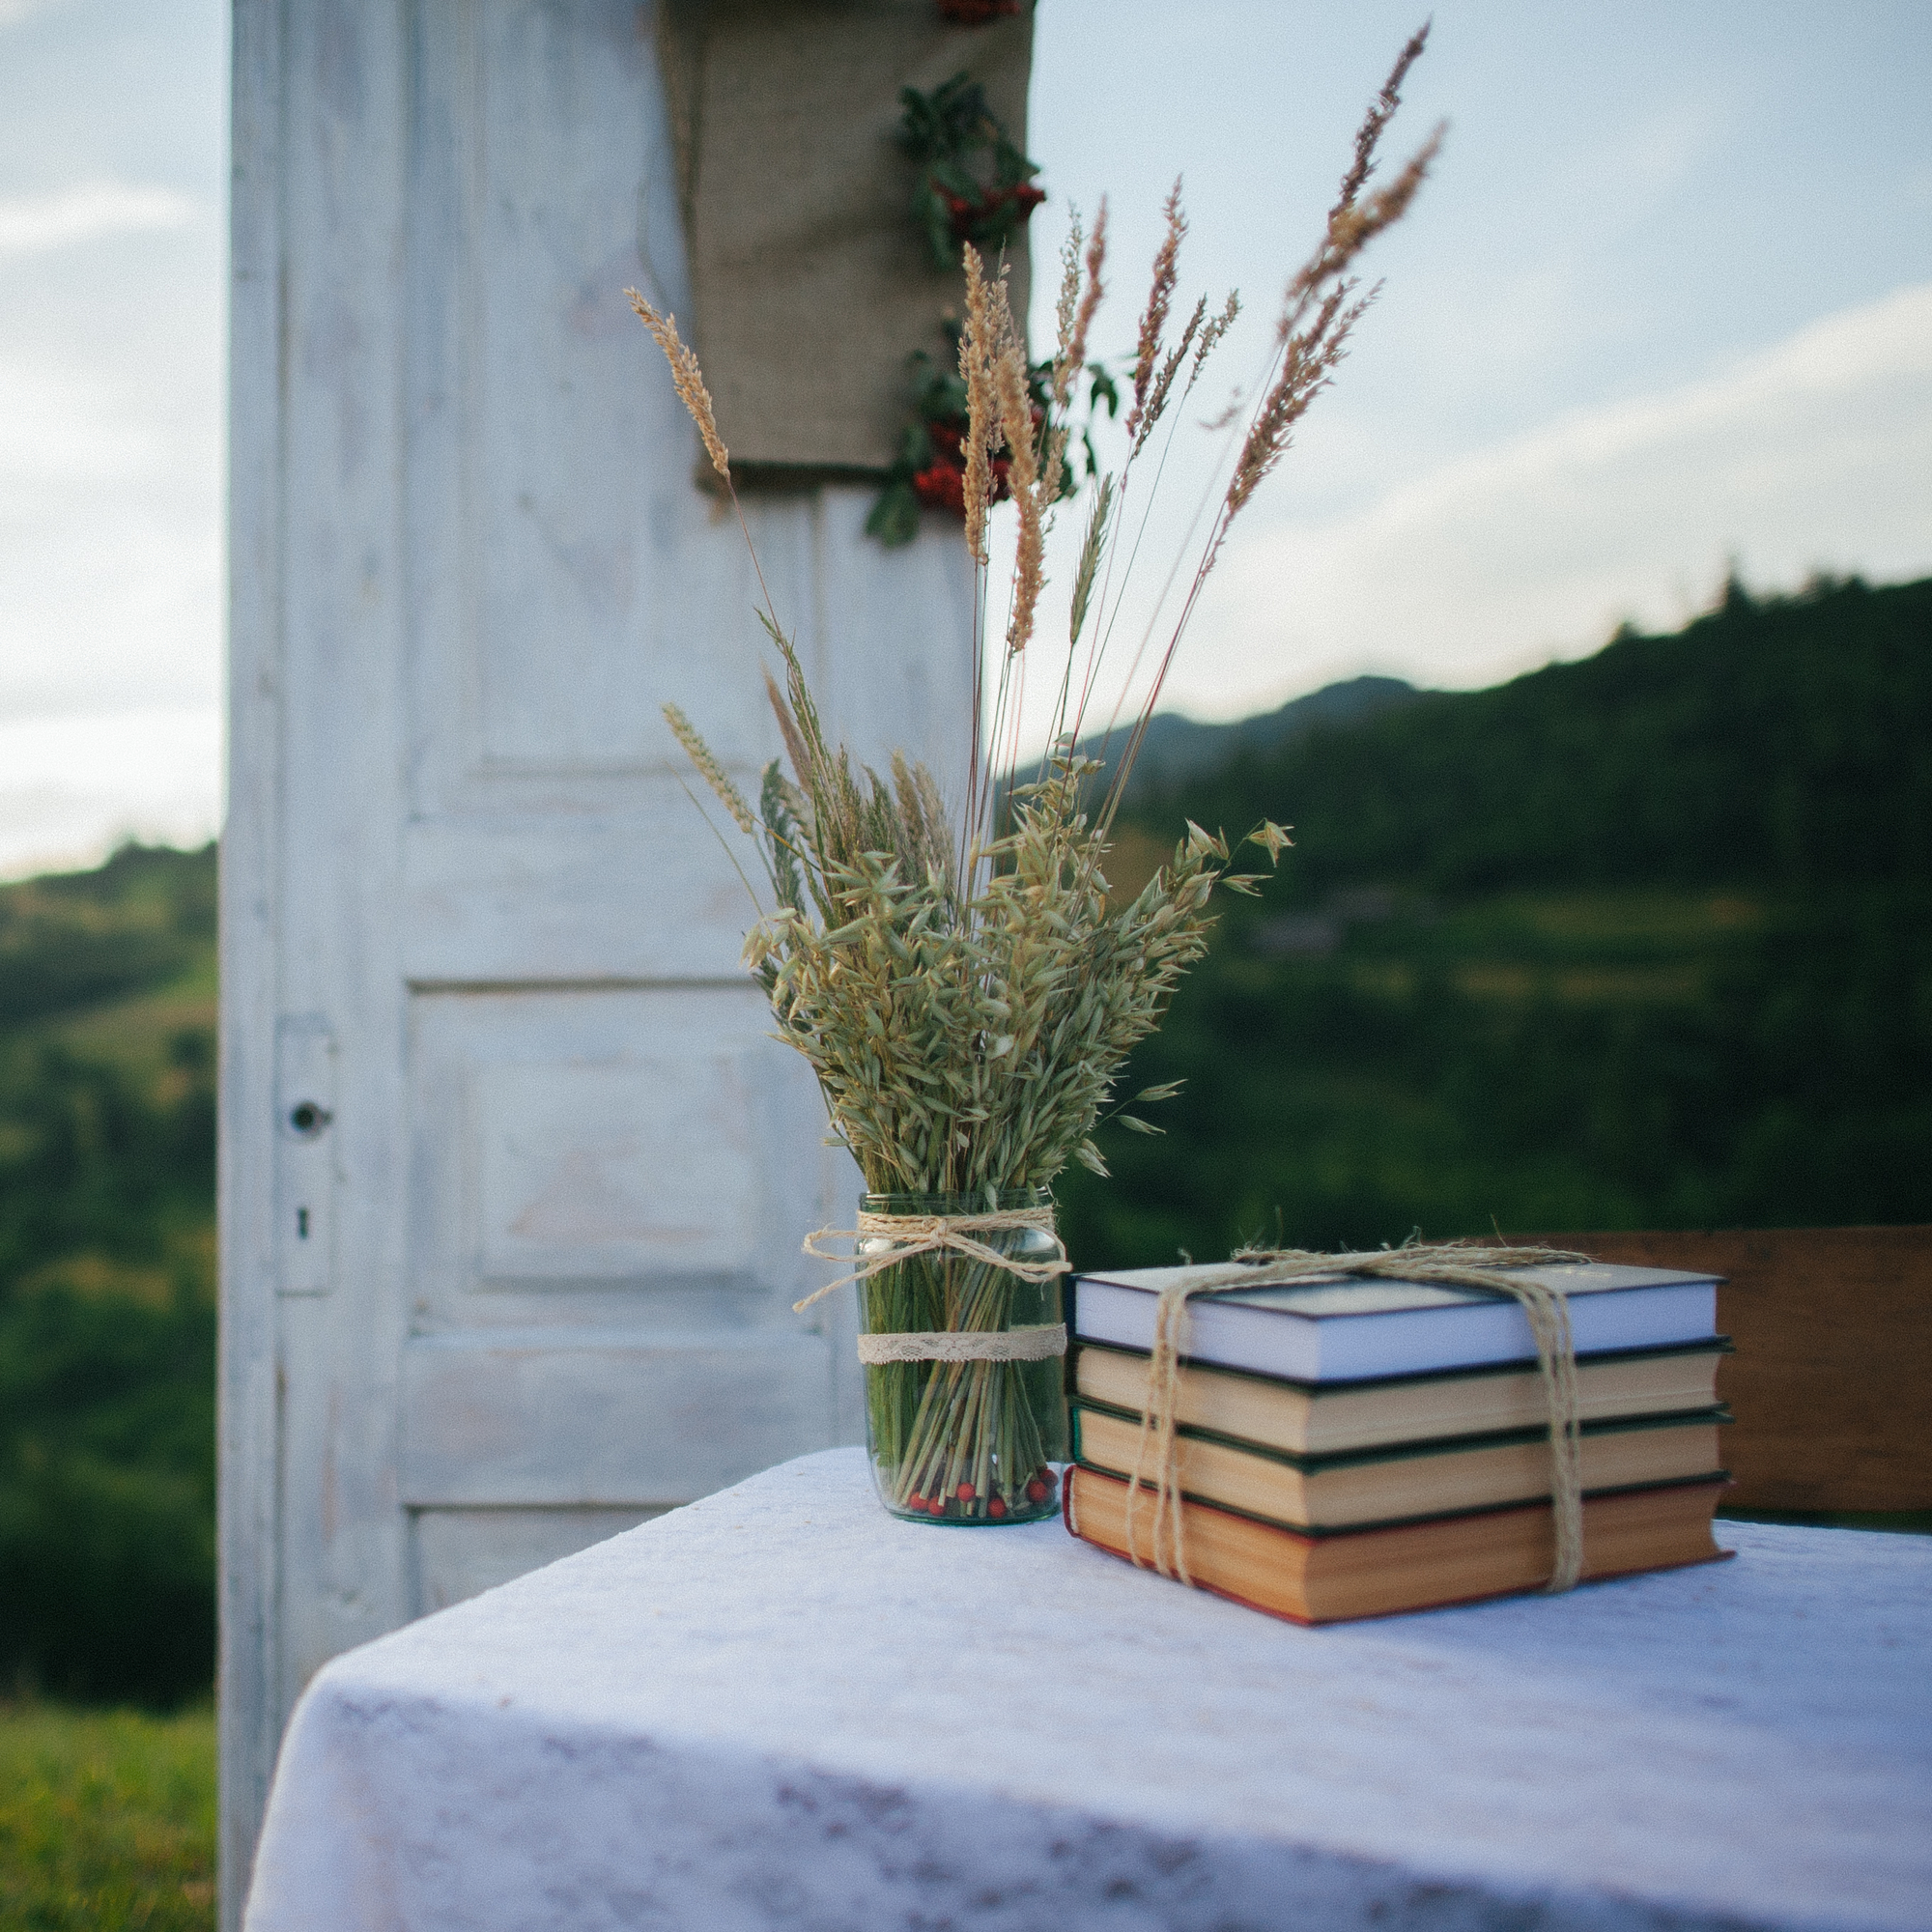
x: 964, y: 1441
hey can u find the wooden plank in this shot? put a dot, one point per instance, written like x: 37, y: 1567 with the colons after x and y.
x: 247, y: 1668
x: 341, y: 1553
x: 1832, y: 1383
x: 604, y: 1418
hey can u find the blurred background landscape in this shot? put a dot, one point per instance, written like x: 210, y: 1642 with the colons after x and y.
x: 1639, y: 941
x: 1575, y: 933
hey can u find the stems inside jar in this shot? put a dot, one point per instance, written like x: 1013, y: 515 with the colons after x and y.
x: 957, y: 1440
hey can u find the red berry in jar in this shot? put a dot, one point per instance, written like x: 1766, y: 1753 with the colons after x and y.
x: 964, y: 1492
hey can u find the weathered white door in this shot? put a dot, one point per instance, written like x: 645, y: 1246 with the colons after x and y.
x: 514, y: 1180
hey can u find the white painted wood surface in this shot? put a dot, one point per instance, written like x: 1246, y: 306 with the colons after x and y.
x: 522, y: 1276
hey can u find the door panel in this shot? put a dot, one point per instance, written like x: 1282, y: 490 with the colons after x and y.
x: 462, y: 1551
x: 641, y: 1154
x: 609, y: 1417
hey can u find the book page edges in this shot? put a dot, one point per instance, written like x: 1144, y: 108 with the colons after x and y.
x: 1334, y: 1418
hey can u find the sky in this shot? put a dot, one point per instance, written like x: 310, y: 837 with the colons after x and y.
x: 1664, y: 309
x: 1664, y: 305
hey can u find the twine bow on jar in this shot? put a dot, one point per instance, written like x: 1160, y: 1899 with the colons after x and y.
x: 898, y: 1237
x: 1494, y: 1271
x: 901, y: 1236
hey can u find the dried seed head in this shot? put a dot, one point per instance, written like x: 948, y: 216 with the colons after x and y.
x: 1065, y: 367
x: 1160, y: 296
x: 1382, y: 110
x: 688, y: 380
x: 1217, y: 327
x: 1273, y: 838
x: 1024, y: 480
x: 709, y: 769
x: 978, y: 344
x: 1090, y: 559
x: 1320, y: 310
x: 1163, y: 384
x: 1096, y: 259
x: 794, y: 740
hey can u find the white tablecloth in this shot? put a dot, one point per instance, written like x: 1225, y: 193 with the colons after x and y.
x: 779, y: 1707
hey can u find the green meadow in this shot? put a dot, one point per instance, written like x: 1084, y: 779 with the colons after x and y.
x: 106, y: 1820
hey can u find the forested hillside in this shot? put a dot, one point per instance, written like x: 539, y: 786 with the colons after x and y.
x: 108, y: 1278
x: 1644, y: 940
x: 1781, y: 742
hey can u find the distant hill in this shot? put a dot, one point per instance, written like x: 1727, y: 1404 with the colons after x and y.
x: 1783, y: 740
x: 71, y: 940
x: 107, y: 997
x: 1177, y: 749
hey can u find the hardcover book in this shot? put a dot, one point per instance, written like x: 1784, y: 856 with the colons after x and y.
x: 1354, y: 1328
x: 1402, y: 1482
x: 1484, y: 1398
x: 1371, y: 1573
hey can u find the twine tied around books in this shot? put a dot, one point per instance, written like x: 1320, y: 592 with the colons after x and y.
x: 901, y: 1236
x: 1490, y: 1272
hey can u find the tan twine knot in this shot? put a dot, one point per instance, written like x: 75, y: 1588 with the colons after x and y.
x: 1484, y: 1271
x: 904, y: 1235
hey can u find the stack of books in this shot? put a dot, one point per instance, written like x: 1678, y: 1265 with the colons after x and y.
x: 1365, y: 1447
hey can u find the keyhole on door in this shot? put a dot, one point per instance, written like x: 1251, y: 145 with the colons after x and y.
x: 302, y: 1224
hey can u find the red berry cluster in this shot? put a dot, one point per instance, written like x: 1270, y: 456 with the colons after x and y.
x: 968, y: 211
x: 942, y: 486
x: 1039, y: 1489
x: 942, y: 483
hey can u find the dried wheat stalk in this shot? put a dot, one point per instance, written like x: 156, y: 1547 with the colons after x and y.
x: 968, y: 995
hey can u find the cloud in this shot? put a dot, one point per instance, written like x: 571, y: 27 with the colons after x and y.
x: 110, y: 530
x: 112, y: 597
x: 69, y: 425
x: 110, y: 473
x: 36, y: 224
x: 72, y: 788
x: 1816, y: 453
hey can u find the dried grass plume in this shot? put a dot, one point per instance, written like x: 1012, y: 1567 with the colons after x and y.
x: 978, y: 342
x: 688, y: 380
x: 1160, y: 296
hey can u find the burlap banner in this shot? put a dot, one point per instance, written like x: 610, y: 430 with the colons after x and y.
x: 811, y: 282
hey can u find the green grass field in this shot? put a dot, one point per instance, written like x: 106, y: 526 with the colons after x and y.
x: 106, y: 1820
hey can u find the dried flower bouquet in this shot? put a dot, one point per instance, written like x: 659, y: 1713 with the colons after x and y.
x: 964, y: 984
